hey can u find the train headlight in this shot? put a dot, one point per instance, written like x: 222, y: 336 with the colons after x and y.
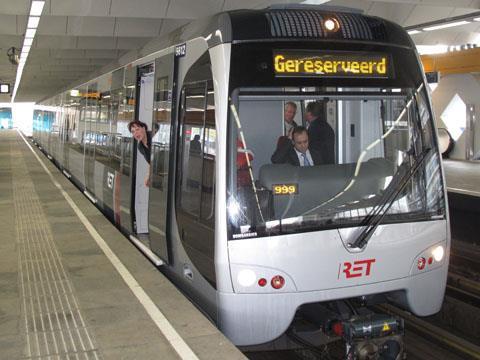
x: 246, y: 277
x: 331, y: 24
x: 438, y: 253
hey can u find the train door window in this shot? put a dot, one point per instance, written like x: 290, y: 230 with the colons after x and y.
x: 193, y: 118
x: 207, y: 210
x: 196, y: 168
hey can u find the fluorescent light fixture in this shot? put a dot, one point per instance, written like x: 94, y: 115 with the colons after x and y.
x: 26, y: 48
x: 432, y: 49
x: 30, y: 33
x: 33, y: 22
x: 446, y: 25
x: 4, y: 88
x: 37, y: 7
x: 413, y: 32
x: 28, y: 42
x: 476, y: 19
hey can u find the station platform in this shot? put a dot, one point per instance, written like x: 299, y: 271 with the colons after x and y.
x: 462, y: 177
x: 73, y: 287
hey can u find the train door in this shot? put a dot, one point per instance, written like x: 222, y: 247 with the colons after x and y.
x: 141, y: 166
x: 90, y: 137
x: 160, y: 163
x: 195, y: 170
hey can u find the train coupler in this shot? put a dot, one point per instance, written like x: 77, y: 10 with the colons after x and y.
x: 371, y: 336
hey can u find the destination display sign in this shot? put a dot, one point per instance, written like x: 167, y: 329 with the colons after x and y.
x: 331, y: 64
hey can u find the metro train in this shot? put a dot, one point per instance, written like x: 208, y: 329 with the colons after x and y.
x: 251, y: 242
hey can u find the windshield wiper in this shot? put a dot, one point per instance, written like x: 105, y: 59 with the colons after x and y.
x: 374, y: 219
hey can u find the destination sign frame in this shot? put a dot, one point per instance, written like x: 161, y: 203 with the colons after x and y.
x: 332, y: 64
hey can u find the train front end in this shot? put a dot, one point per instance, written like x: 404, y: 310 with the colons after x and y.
x: 373, y: 219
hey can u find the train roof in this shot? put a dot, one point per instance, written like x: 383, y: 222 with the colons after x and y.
x: 276, y: 23
x: 287, y: 22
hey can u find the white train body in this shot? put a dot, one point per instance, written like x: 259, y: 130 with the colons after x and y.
x: 230, y: 226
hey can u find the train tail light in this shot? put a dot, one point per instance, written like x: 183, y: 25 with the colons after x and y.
x: 277, y: 282
x: 337, y: 328
x: 421, y: 263
x: 262, y: 282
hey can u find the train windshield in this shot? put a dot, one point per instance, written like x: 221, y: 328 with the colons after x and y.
x: 309, y: 159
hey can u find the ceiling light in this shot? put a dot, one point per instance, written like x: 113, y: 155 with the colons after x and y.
x: 476, y: 19
x: 447, y: 25
x: 413, y: 32
x: 28, y: 42
x: 33, y: 22
x: 37, y: 7
x: 30, y: 33
x: 432, y: 49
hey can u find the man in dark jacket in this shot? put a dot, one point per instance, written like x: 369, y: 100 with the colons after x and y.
x: 297, y: 152
x: 320, y: 133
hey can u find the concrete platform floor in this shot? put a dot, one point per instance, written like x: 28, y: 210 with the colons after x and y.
x: 61, y: 298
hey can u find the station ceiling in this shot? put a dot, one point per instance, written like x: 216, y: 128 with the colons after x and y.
x: 79, y: 37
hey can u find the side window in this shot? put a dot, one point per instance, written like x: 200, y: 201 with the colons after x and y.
x: 198, y: 140
x: 196, y: 168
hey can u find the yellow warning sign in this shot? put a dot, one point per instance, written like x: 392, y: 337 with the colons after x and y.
x: 385, y: 327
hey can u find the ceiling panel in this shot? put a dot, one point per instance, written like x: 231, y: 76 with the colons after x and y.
x: 78, y: 7
x: 102, y: 54
x: 140, y: 8
x: 168, y: 25
x: 423, y: 14
x: 51, y: 25
x: 90, y: 26
x: 55, y: 42
x: 91, y: 42
x: 7, y: 41
x: 391, y: 11
x: 137, y: 27
x: 14, y: 7
x: 127, y: 43
x: 8, y: 25
x: 181, y: 9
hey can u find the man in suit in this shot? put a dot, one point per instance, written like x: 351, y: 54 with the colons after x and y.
x: 289, y: 112
x: 297, y: 152
x: 320, y: 133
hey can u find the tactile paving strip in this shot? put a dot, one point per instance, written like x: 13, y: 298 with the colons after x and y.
x: 53, y: 324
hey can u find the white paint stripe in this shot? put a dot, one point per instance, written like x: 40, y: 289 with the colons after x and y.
x: 180, y: 346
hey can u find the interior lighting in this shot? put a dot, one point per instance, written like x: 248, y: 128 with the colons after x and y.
x: 30, y: 33
x: 36, y: 10
x: 447, y: 25
x: 438, y: 253
x: 476, y: 19
x: 33, y: 22
x: 37, y: 7
x: 413, y: 32
x: 28, y: 42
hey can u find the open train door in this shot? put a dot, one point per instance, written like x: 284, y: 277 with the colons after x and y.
x: 141, y: 167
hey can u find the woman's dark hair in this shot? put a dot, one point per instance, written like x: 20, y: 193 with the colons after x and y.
x: 136, y: 123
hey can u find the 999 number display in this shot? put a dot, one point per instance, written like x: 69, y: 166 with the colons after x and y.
x: 285, y: 189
